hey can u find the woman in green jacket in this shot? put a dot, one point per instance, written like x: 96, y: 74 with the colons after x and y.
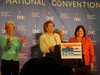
x: 10, y: 45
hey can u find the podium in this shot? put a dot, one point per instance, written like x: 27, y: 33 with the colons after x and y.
x: 70, y: 54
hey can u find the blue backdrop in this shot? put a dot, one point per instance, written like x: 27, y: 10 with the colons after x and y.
x: 29, y: 16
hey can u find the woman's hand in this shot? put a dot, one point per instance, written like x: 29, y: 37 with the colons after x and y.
x: 8, y: 40
x: 92, y: 66
x: 51, y: 48
x: 22, y: 38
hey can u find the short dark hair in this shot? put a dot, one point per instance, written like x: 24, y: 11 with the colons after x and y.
x: 77, y: 29
x: 46, y: 25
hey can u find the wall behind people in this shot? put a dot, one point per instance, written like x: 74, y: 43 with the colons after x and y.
x: 29, y: 16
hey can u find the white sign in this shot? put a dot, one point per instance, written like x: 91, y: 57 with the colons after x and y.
x: 71, y: 51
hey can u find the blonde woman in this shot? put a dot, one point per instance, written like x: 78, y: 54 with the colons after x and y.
x: 10, y: 45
